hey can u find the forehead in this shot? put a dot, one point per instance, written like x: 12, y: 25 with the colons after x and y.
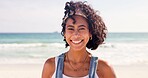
x: 79, y: 20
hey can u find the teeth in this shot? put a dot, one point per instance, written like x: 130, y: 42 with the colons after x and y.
x: 76, y: 41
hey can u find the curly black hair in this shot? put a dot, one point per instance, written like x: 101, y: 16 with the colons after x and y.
x: 96, y: 25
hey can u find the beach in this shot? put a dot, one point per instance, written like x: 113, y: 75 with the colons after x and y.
x: 20, y: 70
x: 35, y: 71
x: 132, y: 71
x: 22, y: 55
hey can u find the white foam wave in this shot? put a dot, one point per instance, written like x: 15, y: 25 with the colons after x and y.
x: 62, y: 45
x: 30, y: 45
x: 114, y: 53
x: 124, y: 45
x: 123, y: 53
x: 21, y: 61
x: 22, y: 45
x: 57, y: 45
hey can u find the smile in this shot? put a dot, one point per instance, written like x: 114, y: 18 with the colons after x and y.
x: 77, y: 42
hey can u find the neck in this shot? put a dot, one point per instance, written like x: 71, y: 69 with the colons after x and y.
x: 77, y: 56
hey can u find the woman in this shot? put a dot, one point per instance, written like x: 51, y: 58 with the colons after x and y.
x: 82, y: 28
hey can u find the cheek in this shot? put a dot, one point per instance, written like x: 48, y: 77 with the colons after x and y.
x: 87, y: 36
x: 67, y: 35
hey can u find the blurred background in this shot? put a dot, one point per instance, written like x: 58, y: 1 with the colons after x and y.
x: 30, y: 32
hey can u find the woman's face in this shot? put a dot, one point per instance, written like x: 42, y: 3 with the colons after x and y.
x: 77, y: 34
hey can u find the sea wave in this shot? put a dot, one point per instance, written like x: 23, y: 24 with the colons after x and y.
x: 114, y: 53
x: 62, y: 45
x: 30, y: 45
x: 22, y: 45
x: 21, y: 61
x: 124, y: 45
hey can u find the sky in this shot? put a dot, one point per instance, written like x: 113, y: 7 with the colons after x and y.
x: 46, y: 15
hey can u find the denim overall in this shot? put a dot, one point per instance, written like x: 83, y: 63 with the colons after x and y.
x: 60, y: 65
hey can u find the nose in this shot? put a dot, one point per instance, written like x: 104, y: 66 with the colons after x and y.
x: 76, y: 32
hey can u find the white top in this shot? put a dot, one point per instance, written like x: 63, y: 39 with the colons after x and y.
x: 64, y: 76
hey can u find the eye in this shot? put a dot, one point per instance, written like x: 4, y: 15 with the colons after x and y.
x: 81, y: 28
x: 70, y: 29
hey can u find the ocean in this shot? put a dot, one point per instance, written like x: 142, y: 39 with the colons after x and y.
x: 36, y: 48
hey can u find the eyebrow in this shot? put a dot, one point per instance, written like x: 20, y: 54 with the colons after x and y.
x: 78, y: 26
x: 70, y: 26
x: 81, y: 26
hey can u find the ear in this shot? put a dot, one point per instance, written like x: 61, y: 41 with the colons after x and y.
x: 90, y: 35
x: 64, y: 35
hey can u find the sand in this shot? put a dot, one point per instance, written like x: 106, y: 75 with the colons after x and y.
x: 20, y: 70
x: 35, y: 71
x: 131, y: 71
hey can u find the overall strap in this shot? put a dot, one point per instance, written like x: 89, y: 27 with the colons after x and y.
x: 93, y: 65
x: 60, y: 65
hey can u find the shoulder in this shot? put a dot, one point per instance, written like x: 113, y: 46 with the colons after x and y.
x: 50, y: 62
x: 49, y: 68
x: 104, y: 70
